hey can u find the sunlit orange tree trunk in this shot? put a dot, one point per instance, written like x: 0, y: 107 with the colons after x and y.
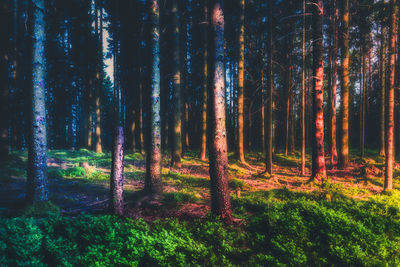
x: 240, y: 122
x: 344, y: 139
x: 390, y: 101
x: 217, y: 143
x: 318, y: 154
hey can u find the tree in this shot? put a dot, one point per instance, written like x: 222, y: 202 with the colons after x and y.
x: 389, y: 160
x: 37, y: 180
x: 303, y: 94
x: 240, y: 122
x: 344, y: 139
x: 270, y: 94
x: 382, y: 72
x: 117, y: 166
x: 177, y: 114
x: 217, y: 144
x: 205, y: 82
x: 318, y: 153
x: 153, y: 159
x: 99, y: 78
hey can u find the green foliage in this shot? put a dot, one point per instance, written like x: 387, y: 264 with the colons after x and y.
x: 40, y: 209
x: 236, y: 184
x: 98, y: 175
x: 179, y: 197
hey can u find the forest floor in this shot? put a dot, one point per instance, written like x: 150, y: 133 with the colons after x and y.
x: 186, y: 190
x: 282, y: 220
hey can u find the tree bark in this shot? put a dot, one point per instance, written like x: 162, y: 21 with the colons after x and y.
x: 177, y: 113
x: 217, y: 145
x: 390, y: 102
x: 99, y: 84
x: 117, y: 173
x: 240, y: 122
x: 344, y: 144
x: 37, y: 180
x: 270, y: 102
x: 205, y: 83
x: 318, y: 153
x: 303, y: 94
x: 382, y: 59
x: 153, y: 184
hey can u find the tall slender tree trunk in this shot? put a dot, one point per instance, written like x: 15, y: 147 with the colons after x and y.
x: 205, y: 83
x: 37, y: 180
x: 334, y: 155
x: 270, y: 93
x: 141, y: 128
x: 382, y: 59
x: 153, y: 184
x: 240, y: 122
x: 390, y: 102
x: 344, y: 144
x: 177, y: 113
x: 318, y: 153
x: 362, y: 101
x: 99, y: 84
x: 303, y: 94
x: 262, y: 111
x: 217, y: 145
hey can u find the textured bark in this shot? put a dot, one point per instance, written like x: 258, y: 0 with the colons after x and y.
x: 362, y: 101
x: 240, y: 121
x: 318, y: 153
x: 262, y: 112
x: 117, y: 173
x: 37, y: 180
x: 270, y: 102
x: 141, y: 131
x: 382, y: 58
x: 205, y: 82
x: 389, y: 160
x: 177, y: 114
x: 333, y: 84
x: 303, y: 94
x: 344, y: 144
x: 99, y: 85
x: 217, y: 145
x: 153, y: 161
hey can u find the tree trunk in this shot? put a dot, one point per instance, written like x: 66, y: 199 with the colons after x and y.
x: 117, y: 173
x: 217, y: 145
x: 240, y: 122
x: 344, y: 144
x: 318, y: 154
x: 153, y: 184
x: 303, y: 95
x: 177, y: 113
x: 99, y: 84
x: 270, y: 94
x: 390, y: 102
x: 382, y: 59
x: 334, y: 155
x: 205, y: 83
x: 37, y: 181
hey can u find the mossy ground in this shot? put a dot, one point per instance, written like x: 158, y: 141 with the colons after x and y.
x: 280, y: 220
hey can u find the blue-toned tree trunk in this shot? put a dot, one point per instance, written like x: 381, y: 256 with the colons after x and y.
x: 217, y: 145
x: 37, y: 182
x: 153, y: 162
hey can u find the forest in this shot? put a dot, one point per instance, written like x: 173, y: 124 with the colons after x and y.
x: 199, y: 133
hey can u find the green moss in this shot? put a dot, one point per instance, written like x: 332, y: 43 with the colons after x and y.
x: 236, y: 184
x: 179, y: 197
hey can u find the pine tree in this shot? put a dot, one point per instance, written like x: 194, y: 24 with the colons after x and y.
x: 37, y: 180
x: 217, y: 144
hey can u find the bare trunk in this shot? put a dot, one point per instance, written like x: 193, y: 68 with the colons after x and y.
x: 153, y: 184
x: 390, y: 102
x: 217, y: 145
x: 318, y: 155
x: 37, y: 181
x: 240, y: 122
